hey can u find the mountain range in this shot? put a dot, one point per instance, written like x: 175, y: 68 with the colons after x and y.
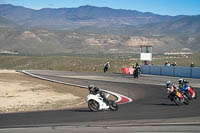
x: 89, y: 29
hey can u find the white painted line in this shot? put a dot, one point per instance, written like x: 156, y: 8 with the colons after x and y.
x: 119, y: 96
x: 161, y: 124
x: 36, y: 76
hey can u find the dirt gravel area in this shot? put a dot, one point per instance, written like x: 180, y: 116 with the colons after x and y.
x: 20, y: 92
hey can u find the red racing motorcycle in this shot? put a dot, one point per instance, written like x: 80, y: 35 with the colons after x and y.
x: 175, y: 95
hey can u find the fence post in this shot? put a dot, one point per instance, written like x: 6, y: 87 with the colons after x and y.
x: 174, y: 71
x: 190, y: 72
x: 160, y: 70
x: 149, y: 69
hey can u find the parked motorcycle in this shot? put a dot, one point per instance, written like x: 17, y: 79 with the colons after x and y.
x: 96, y: 103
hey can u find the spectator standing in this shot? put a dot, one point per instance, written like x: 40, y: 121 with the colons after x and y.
x: 174, y: 64
x: 167, y: 63
x: 133, y: 65
x: 192, y: 64
x: 146, y: 63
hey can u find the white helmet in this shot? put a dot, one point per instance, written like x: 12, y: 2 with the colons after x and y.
x: 180, y: 81
x: 169, y: 84
x: 90, y: 86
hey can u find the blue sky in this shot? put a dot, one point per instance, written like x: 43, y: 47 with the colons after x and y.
x: 163, y: 7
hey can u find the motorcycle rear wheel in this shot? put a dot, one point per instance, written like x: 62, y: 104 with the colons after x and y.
x: 187, y: 93
x: 195, y: 96
x: 113, y: 105
x: 93, y: 105
x: 186, y: 101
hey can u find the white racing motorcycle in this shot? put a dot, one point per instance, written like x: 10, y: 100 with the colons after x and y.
x: 96, y: 103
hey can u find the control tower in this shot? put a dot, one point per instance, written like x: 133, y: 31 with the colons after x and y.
x: 145, y: 54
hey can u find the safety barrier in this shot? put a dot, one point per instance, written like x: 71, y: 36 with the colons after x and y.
x: 176, y: 71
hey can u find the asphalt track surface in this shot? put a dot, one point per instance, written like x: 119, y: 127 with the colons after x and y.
x: 150, y: 105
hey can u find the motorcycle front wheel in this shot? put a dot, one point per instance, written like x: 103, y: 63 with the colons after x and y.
x: 93, y: 105
x: 113, y: 106
x: 177, y: 100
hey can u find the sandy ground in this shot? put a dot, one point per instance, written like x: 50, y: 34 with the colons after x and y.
x: 19, y: 92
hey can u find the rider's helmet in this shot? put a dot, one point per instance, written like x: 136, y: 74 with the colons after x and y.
x: 180, y: 81
x: 168, y: 84
x: 90, y: 86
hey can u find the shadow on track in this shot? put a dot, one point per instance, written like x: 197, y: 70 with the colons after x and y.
x: 165, y: 104
x: 81, y: 110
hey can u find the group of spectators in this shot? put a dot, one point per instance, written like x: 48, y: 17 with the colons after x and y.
x: 167, y: 63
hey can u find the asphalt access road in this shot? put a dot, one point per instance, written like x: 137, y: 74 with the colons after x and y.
x: 149, y: 103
